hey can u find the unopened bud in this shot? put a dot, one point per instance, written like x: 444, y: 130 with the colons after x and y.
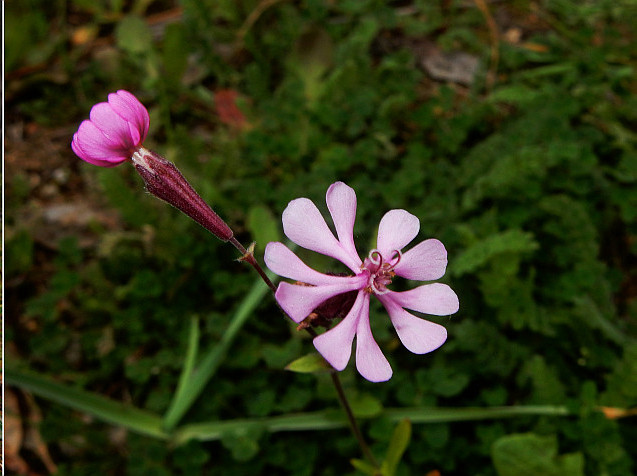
x: 163, y: 180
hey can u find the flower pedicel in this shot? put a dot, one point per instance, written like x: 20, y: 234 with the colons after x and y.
x: 427, y: 261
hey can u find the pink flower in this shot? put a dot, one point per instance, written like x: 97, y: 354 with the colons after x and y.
x: 427, y: 261
x: 115, y: 130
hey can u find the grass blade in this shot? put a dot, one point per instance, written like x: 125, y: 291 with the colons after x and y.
x: 110, y: 411
x: 213, y: 358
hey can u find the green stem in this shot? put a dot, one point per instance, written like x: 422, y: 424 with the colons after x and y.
x: 440, y: 415
x: 353, y: 425
x: 328, y: 420
x: 351, y: 419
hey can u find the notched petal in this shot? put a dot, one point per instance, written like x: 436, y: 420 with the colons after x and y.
x: 396, y: 230
x: 305, y: 226
x: 437, y: 299
x: 341, y: 202
x: 426, y: 261
x: 370, y: 361
x: 335, y: 345
x: 417, y: 335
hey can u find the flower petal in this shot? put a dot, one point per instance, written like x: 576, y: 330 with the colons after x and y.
x: 341, y: 202
x: 417, y: 335
x: 396, y: 229
x: 282, y: 261
x: 335, y: 345
x: 132, y: 111
x: 93, y: 160
x: 305, y: 226
x: 424, y: 262
x: 114, y: 128
x: 299, y: 301
x: 370, y: 361
x: 437, y: 299
x: 91, y: 145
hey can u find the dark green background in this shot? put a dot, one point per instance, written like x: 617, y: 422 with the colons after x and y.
x: 529, y: 182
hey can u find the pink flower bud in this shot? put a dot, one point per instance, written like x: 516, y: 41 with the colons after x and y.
x: 114, y: 131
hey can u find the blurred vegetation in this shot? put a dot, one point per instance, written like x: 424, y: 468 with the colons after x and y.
x: 527, y: 173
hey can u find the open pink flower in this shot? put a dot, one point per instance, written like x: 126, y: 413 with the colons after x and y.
x: 427, y: 261
x: 114, y: 131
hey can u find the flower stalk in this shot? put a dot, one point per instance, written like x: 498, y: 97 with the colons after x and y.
x: 353, y: 425
x: 247, y: 256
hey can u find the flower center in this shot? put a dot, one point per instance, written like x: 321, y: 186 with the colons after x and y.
x: 380, y: 272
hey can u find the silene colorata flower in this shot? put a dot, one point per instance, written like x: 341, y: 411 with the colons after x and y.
x: 114, y: 133
x: 314, y: 293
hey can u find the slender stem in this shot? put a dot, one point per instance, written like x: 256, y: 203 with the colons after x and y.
x: 352, y: 420
x: 248, y: 256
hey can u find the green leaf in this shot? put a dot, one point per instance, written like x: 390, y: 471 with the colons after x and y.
x: 108, y: 410
x: 331, y: 419
x: 363, y: 466
x: 516, y: 94
x: 397, y: 446
x: 448, y: 383
x: 622, y: 382
x: 215, y: 430
x: 544, y: 379
x: 310, y: 363
x: 528, y: 454
x: 214, y: 356
x: 478, y: 254
x: 437, y: 415
x: 133, y: 35
x: 186, y: 372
